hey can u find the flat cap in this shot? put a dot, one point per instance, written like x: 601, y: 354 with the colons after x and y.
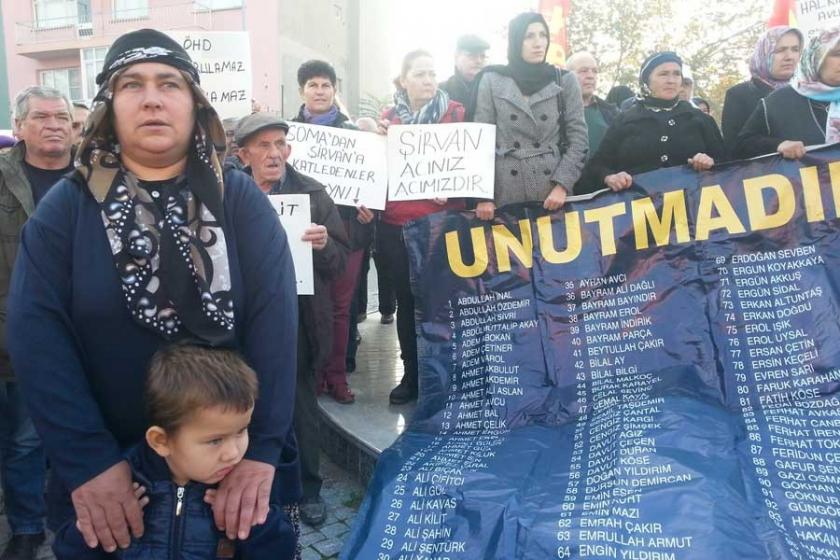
x: 472, y: 43
x: 257, y: 122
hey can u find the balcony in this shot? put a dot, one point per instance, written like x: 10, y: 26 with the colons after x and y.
x: 46, y: 38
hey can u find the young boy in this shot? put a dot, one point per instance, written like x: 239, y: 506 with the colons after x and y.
x: 199, y: 402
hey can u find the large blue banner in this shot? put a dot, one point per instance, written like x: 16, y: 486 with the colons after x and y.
x: 649, y: 375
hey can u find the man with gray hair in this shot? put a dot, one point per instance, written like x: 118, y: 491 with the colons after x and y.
x: 43, y: 124
x: 598, y: 113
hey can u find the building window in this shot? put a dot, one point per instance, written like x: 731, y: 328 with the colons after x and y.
x: 131, y: 9
x: 92, y: 61
x: 216, y: 4
x: 56, y: 13
x: 66, y: 80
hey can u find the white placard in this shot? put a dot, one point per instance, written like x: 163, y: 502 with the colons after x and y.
x: 223, y: 60
x: 812, y: 16
x: 350, y: 163
x: 295, y: 215
x: 451, y: 160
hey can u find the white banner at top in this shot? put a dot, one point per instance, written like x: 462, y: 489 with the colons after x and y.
x: 223, y: 60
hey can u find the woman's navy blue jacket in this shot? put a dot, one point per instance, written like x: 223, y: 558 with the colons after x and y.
x: 81, y: 359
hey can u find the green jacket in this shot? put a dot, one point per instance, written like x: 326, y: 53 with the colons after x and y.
x: 16, y: 205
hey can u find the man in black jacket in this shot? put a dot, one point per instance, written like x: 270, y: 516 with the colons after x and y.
x: 470, y: 58
x: 263, y: 148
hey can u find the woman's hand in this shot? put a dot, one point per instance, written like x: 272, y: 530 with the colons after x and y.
x: 382, y: 127
x: 363, y: 215
x: 790, y: 149
x: 485, y: 210
x: 440, y: 201
x: 701, y: 162
x: 556, y: 198
x: 618, y: 181
x: 317, y: 235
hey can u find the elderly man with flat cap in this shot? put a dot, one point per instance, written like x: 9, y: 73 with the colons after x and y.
x: 470, y: 58
x: 150, y: 243
x: 265, y: 151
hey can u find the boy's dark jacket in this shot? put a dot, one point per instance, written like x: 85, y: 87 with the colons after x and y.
x: 190, y: 535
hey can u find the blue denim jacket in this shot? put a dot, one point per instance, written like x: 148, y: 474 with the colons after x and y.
x: 179, y: 525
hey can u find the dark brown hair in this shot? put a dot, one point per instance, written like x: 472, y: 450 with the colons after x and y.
x: 408, y: 60
x: 185, y: 379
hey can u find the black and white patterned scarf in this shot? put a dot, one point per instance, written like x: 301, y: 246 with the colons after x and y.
x: 171, y: 254
x: 430, y: 113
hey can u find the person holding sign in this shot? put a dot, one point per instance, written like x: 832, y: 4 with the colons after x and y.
x: 418, y: 100
x: 659, y: 130
x: 317, y: 81
x: 263, y: 148
x: 773, y: 63
x: 541, y: 139
x: 804, y: 113
x: 149, y: 243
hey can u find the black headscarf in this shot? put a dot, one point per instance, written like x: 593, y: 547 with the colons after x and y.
x: 171, y: 255
x: 529, y: 77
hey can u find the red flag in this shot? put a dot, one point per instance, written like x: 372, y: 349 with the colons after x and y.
x: 556, y: 13
x: 784, y: 13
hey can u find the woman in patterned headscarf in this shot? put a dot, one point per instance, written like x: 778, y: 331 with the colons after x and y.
x: 149, y: 243
x: 771, y: 67
x: 804, y: 113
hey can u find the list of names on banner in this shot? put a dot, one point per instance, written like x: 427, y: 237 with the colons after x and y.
x: 614, y: 450
x: 793, y: 431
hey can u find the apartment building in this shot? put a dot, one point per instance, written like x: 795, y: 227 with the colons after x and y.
x: 62, y: 43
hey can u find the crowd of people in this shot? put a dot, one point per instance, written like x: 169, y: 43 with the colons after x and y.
x: 153, y: 343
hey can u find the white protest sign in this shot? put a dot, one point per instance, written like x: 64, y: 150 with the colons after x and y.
x: 812, y: 16
x: 223, y: 60
x: 295, y: 215
x: 350, y: 163
x: 452, y: 160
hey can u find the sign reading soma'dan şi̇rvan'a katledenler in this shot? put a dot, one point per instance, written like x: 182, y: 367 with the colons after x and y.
x: 650, y: 375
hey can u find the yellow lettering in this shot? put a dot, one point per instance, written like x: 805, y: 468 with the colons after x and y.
x: 456, y: 260
x: 834, y: 173
x: 713, y: 198
x: 573, y: 239
x: 757, y: 211
x: 674, y: 215
x: 606, y: 230
x: 811, y: 193
x: 506, y: 244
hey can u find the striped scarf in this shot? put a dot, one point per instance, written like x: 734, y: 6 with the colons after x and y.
x: 430, y: 113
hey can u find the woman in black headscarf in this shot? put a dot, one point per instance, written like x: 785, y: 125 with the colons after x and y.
x: 657, y: 131
x: 541, y: 140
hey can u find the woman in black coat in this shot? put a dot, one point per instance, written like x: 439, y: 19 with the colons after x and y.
x: 772, y: 66
x: 658, y: 131
x: 804, y: 113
